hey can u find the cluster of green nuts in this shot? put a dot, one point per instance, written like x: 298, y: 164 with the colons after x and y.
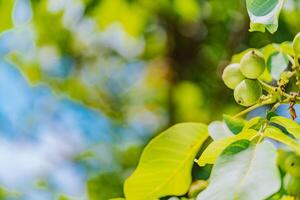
x: 242, y: 78
x: 290, y: 163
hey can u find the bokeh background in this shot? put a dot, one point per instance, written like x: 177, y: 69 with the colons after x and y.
x: 85, y: 84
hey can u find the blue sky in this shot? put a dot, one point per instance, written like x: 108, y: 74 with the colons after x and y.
x: 41, y: 133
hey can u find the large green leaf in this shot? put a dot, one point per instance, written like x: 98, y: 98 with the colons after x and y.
x: 264, y: 14
x: 245, y: 172
x: 277, y: 134
x: 290, y: 125
x: 166, y: 163
x: 212, y: 152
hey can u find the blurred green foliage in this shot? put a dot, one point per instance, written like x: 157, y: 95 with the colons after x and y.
x: 6, y: 7
x: 105, y: 186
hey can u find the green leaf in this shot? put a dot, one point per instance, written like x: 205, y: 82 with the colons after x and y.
x: 105, y: 186
x: 235, y: 125
x: 166, y: 163
x: 264, y: 14
x: 277, y: 134
x: 6, y: 8
x: 245, y: 172
x: 276, y: 64
x: 252, y: 122
x: 270, y: 114
x: 290, y: 125
x: 259, y: 124
x: 212, y: 152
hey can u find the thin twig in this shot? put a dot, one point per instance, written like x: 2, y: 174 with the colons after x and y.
x: 266, y: 86
x: 266, y: 102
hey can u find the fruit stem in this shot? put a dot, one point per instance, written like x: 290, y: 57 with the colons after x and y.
x: 274, y: 108
x: 266, y: 102
x: 296, y: 62
x: 266, y: 86
x: 272, y: 89
x: 291, y: 60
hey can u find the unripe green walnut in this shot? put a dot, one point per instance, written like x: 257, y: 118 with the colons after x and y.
x: 296, y: 44
x: 232, y: 75
x: 247, y: 92
x: 292, y: 165
x: 292, y: 185
x: 253, y: 64
x: 282, y: 155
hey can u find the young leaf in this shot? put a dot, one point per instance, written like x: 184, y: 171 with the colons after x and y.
x: 290, y: 125
x: 212, y: 152
x: 264, y: 14
x: 277, y: 134
x: 218, y: 130
x: 276, y: 64
x: 252, y: 122
x: 234, y: 125
x: 257, y: 126
x: 166, y: 163
x: 271, y: 114
x: 244, y: 171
